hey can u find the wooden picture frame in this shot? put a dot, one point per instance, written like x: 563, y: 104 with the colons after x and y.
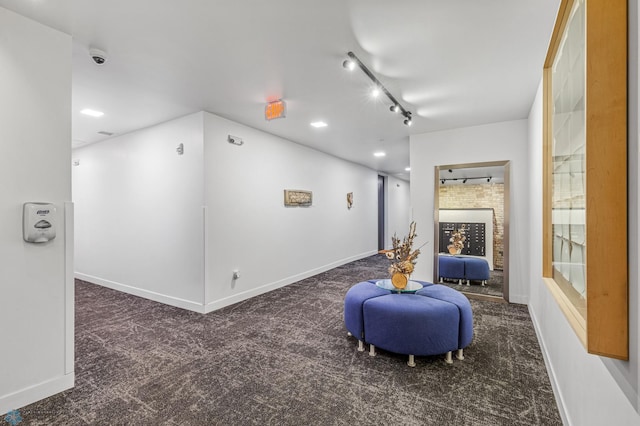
x: 585, y: 172
x: 297, y: 198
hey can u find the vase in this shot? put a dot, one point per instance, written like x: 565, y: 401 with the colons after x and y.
x: 399, y: 280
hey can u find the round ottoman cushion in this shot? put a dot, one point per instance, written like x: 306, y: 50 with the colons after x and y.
x: 353, y: 300
x: 476, y: 269
x: 448, y: 295
x: 411, y: 324
x: 451, y: 267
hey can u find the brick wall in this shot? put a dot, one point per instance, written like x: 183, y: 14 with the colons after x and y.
x: 487, y: 196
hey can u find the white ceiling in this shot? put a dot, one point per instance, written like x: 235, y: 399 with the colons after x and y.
x: 452, y: 63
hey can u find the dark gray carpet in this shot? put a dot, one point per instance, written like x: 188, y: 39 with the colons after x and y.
x: 284, y: 358
x: 493, y: 287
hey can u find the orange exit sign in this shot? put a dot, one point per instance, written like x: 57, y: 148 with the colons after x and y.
x: 275, y: 109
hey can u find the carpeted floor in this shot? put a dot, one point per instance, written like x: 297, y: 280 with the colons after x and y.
x: 493, y: 287
x: 284, y: 358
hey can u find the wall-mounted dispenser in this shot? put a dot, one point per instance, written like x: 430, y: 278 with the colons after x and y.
x: 38, y: 222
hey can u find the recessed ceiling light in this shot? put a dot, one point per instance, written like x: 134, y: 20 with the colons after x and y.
x: 407, y: 169
x: 375, y: 92
x: 92, y: 112
x: 379, y: 154
x: 318, y: 124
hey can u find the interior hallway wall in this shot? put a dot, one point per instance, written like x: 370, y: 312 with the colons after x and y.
x: 249, y: 229
x: 36, y: 280
x: 139, y: 217
x: 398, y: 212
x: 491, y: 142
x: 160, y: 225
x: 591, y: 390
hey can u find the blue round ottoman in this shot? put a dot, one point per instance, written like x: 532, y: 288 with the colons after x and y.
x: 434, y: 320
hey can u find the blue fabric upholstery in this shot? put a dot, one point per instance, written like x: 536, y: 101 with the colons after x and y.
x: 451, y: 267
x: 411, y: 324
x: 476, y: 269
x: 434, y: 320
x: 445, y: 294
x: 353, y: 301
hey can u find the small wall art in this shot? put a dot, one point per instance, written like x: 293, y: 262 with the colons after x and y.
x: 297, y: 198
x: 349, y: 200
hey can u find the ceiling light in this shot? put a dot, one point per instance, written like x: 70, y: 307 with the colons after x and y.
x: 91, y: 112
x: 379, y: 154
x: 375, y: 92
x: 407, y: 169
x: 318, y: 124
x: 350, y: 64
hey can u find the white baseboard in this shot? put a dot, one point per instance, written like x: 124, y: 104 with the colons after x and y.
x: 147, y: 294
x: 220, y: 303
x: 522, y: 300
x: 35, y: 393
x: 551, y: 372
x: 230, y: 300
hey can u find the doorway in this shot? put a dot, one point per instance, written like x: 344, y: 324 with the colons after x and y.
x: 381, y: 209
x: 474, y: 198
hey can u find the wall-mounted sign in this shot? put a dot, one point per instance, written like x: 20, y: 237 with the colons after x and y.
x: 277, y: 109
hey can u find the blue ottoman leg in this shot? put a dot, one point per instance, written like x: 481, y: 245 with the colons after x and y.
x: 448, y: 358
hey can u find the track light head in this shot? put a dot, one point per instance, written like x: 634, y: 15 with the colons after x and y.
x: 464, y: 180
x: 489, y: 179
x: 349, y: 64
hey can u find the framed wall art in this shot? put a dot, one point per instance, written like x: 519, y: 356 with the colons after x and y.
x: 297, y: 198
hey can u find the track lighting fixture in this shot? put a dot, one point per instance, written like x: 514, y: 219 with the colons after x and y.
x: 464, y: 180
x: 350, y: 64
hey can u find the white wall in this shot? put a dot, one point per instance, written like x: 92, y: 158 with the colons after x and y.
x: 147, y: 218
x: 591, y: 390
x: 586, y: 391
x: 490, y: 142
x: 36, y: 283
x: 250, y: 229
x: 398, y: 212
x: 139, y: 215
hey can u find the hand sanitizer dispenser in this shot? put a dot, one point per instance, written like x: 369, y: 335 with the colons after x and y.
x: 38, y: 222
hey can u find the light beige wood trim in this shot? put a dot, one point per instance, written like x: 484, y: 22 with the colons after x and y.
x: 606, y: 132
x: 561, y: 21
x: 605, y: 329
x: 576, y: 321
x: 547, y: 133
